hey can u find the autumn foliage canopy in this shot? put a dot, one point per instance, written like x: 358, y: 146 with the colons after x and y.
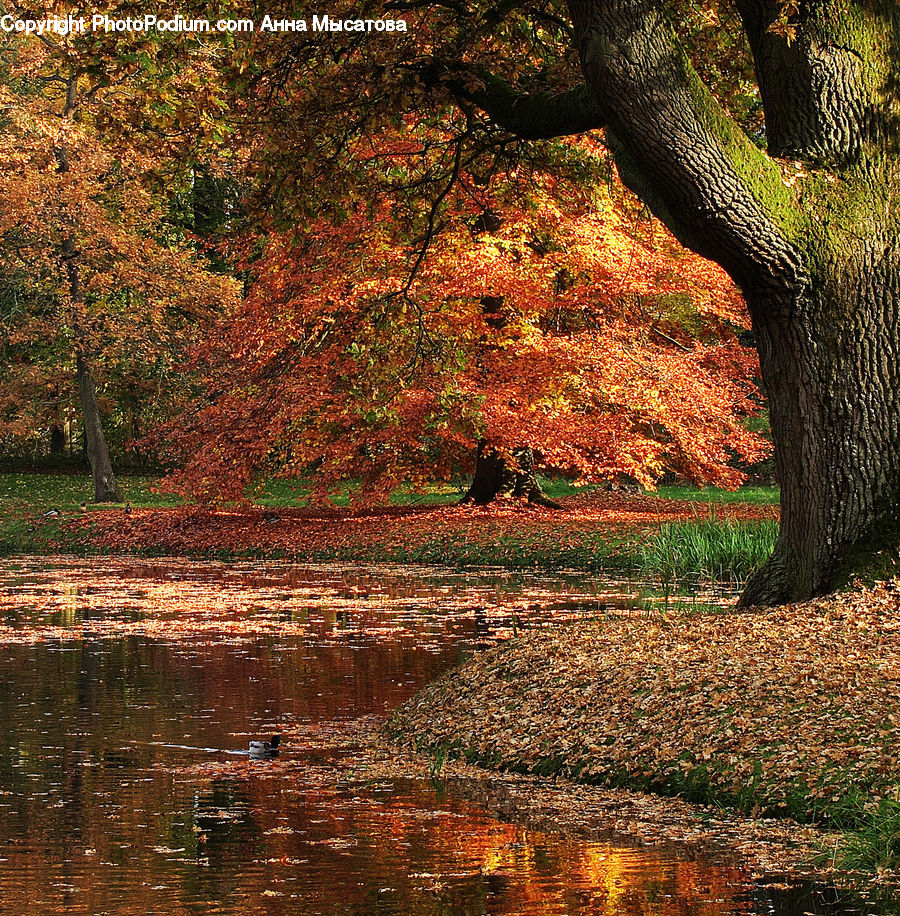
x: 540, y: 315
x: 416, y: 282
x: 92, y: 263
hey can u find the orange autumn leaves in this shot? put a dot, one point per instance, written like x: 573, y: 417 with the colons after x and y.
x: 529, y: 304
x: 567, y: 323
x: 90, y: 260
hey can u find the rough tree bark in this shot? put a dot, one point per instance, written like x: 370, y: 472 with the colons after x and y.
x: 496, y: 477
x: 808, y: 230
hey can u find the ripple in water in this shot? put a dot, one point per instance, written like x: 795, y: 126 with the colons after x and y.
x: 127, y: 687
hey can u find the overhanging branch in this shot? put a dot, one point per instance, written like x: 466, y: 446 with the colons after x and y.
x: 679, y: 149
x: 528, y: 115
x: 537, y: 116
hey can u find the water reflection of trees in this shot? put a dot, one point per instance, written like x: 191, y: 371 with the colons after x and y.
x: 98, y: 816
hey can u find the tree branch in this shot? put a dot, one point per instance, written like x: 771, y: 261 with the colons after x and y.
x: 680, y: 151
x: 538, y: 116
x: 827, y: 89
x: 528, y: 115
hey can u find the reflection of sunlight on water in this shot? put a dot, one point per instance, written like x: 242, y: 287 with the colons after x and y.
x: 128, y: 687
x: 175, y: 598
x: 69, y: 605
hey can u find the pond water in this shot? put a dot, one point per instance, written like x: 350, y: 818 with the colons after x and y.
x: 129, y: 691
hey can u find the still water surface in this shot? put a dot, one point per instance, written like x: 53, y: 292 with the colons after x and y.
x: 129, y: 691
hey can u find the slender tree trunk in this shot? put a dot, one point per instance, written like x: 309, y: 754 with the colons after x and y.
x: 495, y: 477
x: 106, y: 489
x: 57, y: 440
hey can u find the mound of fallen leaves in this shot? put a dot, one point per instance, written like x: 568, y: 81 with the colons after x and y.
x: 505, y: 534
x: 788, y: 710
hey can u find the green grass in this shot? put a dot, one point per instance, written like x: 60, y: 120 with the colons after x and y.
x: 284, y: 492
x: 873, y: 840
x: 24, y: 497
x: 593, y: 552
x: 66, y: 491
x: 702, y: 550
x: 295, y: 492
x: 709, y: 550
x: 756, y: 496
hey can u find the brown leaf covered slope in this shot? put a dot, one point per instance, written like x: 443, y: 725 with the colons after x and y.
x: 789, y: 710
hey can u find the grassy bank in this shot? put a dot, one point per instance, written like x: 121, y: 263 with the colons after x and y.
x: 663, y: 538
x: 790, y: 711
x: 24, y: 498
x: 706, y: 550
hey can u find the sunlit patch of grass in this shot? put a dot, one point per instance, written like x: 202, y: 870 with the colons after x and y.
x: 24, y: 498
x: 296, y: 491
x: 440, y: 494
x: 68, y: 491
x: 755, y: 496
x: 709, y: 550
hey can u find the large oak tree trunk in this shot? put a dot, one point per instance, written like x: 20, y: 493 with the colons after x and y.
x: 496, y: 477
x: 833, y: 374
x: 807, y: 229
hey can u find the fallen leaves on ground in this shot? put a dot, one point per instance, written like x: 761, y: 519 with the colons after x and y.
x: 511, y: 533
x: 784, y: 710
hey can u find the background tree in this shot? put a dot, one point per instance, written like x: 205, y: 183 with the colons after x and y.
x: 800, y: 206
x: 552, y: 333
x: 95, y: 286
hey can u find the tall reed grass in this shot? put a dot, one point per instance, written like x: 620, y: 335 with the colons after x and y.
x: 710, y: 550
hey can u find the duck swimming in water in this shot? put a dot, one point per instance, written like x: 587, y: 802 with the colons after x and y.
x: 265, y: 750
